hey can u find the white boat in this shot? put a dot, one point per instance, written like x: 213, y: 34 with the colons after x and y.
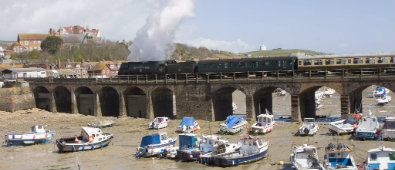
x: 388, y: 130
x: 188, y: 125
x: 367, y: 128
x: 152, y: 145
x: 380, y: 91
x: 234, y: 107
x: 280, y: 92
x: 252, y: 149
x: 38, y: 135
x: 383, y: 100
x: 264, y: 124
x: 90, y: 139
x: 328, y: 92
x: 233, y: 124
x: 213, y: 143
x: 339, y: 158
x: 381, y: 158
x: 345, y: 126
x: 309, y: 127
x: 305, y: 158
x: 158, y: 123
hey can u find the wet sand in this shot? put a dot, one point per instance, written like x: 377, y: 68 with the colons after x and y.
x: 129, y: 131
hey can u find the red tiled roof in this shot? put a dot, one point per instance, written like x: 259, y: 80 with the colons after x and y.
x: 31, y: 36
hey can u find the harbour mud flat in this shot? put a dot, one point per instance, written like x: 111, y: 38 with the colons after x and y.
x: 128, y: 132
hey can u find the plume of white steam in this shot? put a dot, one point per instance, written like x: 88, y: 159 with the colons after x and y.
x: 154, y: 41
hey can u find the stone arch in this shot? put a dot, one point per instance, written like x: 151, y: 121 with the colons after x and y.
x: 223, y: 100
x: 263, y: 99
x: 163, y: 102
x: 136, y: 102
x: 109, y: 101
x: 358, y: 94
x: 307, y: 101
x: 85, y: 100
x: 62, y: 99
x: 42, y: 97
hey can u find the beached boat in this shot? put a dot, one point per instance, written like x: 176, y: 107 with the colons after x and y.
x: 264, y: 124
x: 309, y: 127
x: 383, y: 100
x: 339, y: 158
x: 328, y: 92
x: 388, y: 130
x: 153, y: 145
x: 37, y: 135
x: 233, y: 124
x: 280, y: 92
x: 305, y: 158
x: 188, y: 149
x: 211, y: 145
x: 345, y: 126
x: 368, y: 127
x: 379, y: 91
x: 90, y: 139
x: 101, y: 124
x: 381, y: 158
x: 252, y: 149
x: 158, y: 123
x: 188, y: 125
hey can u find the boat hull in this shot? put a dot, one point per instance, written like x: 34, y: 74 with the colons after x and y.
x: 71, y: 147
x: 157, y: 149
x: 224, y: 162
x: 366, y: 135
x: 25, y: 142
x: 188, y: 155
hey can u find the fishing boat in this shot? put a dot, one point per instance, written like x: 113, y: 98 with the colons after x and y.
x: 153, y: 145
x: 211, y: 145
x: 345, y: 126
x: 309, y: 127
x: 90, y: 139
x: 252, y: 149
x: 264, y: 124
x: 388, y: 130
x: 368, y: 127
x: 383, y: 100
x: 37, y: 135
x: 188, y: 147
x: 380, y: 158
x: 305, y: 158
x: 339, y: 157
x: 188, y: 125
x: 233, y: 124
x: 101, y: 124
x: 158, y: 123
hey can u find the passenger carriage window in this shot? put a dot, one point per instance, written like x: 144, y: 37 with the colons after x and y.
x: 349, y: 61
x: 307, y: 62
x: 300, y: 63
x: 370, y: 61
x: 329, y: 61
x: 382, y: 60
x: 358, y: 61
x: 392, y: 60
x: 340, y: 61
x: 318, y: 62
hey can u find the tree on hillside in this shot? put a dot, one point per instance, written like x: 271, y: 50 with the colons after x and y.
x: 51, y: 44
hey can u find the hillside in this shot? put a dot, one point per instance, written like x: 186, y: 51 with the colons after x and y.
x: 282, y: 52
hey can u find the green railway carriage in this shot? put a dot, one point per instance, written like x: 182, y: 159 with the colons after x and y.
x: 247, y: 65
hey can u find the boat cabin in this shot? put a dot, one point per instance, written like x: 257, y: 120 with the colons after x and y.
x: 338, y: 156
x: 265, y: 119
x: 209, y: 142
x: 381, y: 158
x: 38, y: 129
x: 91, y: 134
x: 251, y: 146
x: 153, y: 139
x: 161, y: 119
x: 187, y: 141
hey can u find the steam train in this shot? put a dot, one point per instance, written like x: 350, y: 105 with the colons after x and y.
x: 259, y: 66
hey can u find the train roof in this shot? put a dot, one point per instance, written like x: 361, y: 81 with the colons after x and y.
x: 348, y: 55
x: 248, y: 59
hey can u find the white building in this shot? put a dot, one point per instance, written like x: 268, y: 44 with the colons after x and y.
x: 14, y: 73
x: 262, y: 48
x: 1, y: 52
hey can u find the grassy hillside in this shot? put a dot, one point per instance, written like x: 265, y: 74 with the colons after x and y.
x: 282, y: 52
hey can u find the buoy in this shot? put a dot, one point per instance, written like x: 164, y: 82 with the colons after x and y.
x: 34, y: 136
x: 281, y: 162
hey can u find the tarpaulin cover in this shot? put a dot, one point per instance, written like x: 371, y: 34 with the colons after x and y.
x: 187, y: 121
x: 187, y: 141
x: 232, y: 120
x: 150, y: 139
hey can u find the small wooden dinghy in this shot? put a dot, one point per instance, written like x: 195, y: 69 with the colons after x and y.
x: 90, y: 139
x: 38, y: 135
x: 102, y: 124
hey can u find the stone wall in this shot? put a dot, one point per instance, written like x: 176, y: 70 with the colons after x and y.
x: 13, y: 99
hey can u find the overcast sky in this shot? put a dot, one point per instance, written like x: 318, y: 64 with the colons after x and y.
x: 335, y: 26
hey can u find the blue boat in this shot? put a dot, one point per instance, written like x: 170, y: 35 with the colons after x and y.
x: 233, y: 124
x: 188, y: 125
x: 189, y: 147
x: 252, y: 149
x: 38, y: 135
x: 339, y: 158
x: 153, y: 145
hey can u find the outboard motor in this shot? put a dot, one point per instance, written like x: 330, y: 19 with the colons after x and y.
x: 331, y: 146
x: 141, y: 152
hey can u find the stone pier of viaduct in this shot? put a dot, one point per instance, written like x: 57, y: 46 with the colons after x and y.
x: 203, y: 99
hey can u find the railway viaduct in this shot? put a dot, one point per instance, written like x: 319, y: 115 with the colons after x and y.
x: 202, y: 98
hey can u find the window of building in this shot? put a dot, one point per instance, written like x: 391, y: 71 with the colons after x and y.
x: 39, y: 42
x: 34, y: 42
x: 26, y: 42
x: 104, y: 72
x: 108, y: 71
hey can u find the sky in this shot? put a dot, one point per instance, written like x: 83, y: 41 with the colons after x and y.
x: 335, y: 26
